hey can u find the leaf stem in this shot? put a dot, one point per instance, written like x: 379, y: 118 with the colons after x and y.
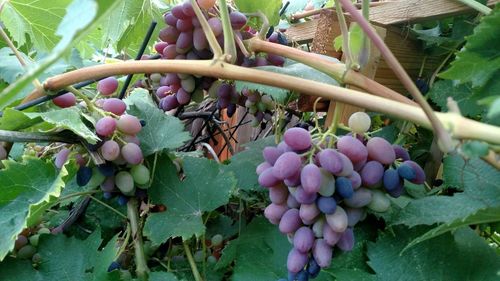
x: 190, y: 258
x: 460, y: 126
x: 476, y: 6
x: 140, y: 258
x: 13, y: 136
x: 229, y: 44
x: 345, y: 34
x: 445, y: 141
x: 212, y: 41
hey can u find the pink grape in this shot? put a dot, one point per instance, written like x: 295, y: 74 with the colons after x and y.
x: 296, y: 261
x: 61, y: 157
x: 196, y: 22
x: 346, y: 241
x: 184, y: 25
x: 187, y: 9
x: 290, y: 221
x: 114, y: 105
x: 170, y: 52
x: 331, y: 237
x: 106, y: 126
x: 275, y: 59
x: 206, y: 4
x: 238, y: 20
x: 170, y: 19
x: 132, y: 153
x: 297, y: 138
x: 216, y: 26
x: 267, y: 178
x: 129, y: 124
x: 381, y: 150
x: 172, y: 78
x: 308, y: 212
x: 310, y: 178
x: 169, y: 35
x: 372, y: 173
x: 200, y: 41
x: 66, y: 100
x: 185, y: 40
x: 178, y: 12
x: 287, y: 165
x: 274, y: 212
x: 261, y: 61
x: 262, y: 167
x: 107, y: 86
x: 160, y: 46
x: 322, y: 253
x: 110, y: 150
x: 338, y: 220
x: 352, y: 148
x: 278, y: 194
x: 131, y: 138
x: 359, y: 199
x: 303, y: 239
x: 330, y: 160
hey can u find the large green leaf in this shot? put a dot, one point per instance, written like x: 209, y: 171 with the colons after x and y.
x: 291, y: 68
x: 24, y: 187
x: 479, y: 60
x: 244, y: 163
x: 462, y: 94
x: 60, y: 119
x: 204, y: 188
x: 270, y: 8
x: 461, y: 256
x: 65, y: 259
x: 37, y: 20
x: 481, y: 185
x: 10, y: 67
x: 162, y: 131
x: 88, y: 14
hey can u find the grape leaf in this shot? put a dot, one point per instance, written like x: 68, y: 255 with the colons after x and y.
x: 461, y: 256
x: 10, y: 68
x: 25, y: 186
x: 291, y: 68
x: 162, y: 131
x: 204, y: 188
x: 244, y: 163
x: 270, y: 8
x: 462, y: 94
x: 494, y: 110
x: 65, y: 259
x: 162, y: 276
x: 478, y: 60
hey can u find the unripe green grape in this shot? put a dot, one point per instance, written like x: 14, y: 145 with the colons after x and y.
x: 359, y: 122
x: 198, y: 256
x: 26, y: 252
x: 380, y: 202
x: 140, y: 173
x: 34, y: 239
x: 217, y: 240
x: 125, y: 182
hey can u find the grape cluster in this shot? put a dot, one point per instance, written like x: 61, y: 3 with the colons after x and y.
x: 259, y: 105
x: 319, y: 193
x: 123, y: 170
x: 26, y: 243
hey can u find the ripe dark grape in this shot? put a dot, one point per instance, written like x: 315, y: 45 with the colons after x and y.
x: 372, y: 173
x: 238, y: 20
x: 327, y: 205
x: 296, y: 261
x: 391, y: 179
x: 83, y: 176
x: 400, y: 152
x: 313, y: 268
x: 108, y: 185
x: 107, y: 86
x: 343, y: 187
x: 419, y: 172
x: 66, y: 100
x: 346, y: 241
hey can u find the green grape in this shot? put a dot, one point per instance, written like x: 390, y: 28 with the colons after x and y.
x: 26, y: 252
x: 217, y: 240
x: 140, y: 173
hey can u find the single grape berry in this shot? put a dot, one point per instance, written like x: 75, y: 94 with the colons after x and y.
x: 359, y: 122
x: 61, y: 157
x: 114, y: 265
x: 83, y: 176
x: 65, y: 100
x: 140, y: 173
x: 114, y: 105
x: 107, y: 86
x: 105, y: 126
x: 132, y: 153
x: 129, y: 124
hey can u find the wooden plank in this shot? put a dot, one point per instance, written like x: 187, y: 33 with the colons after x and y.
x: 410, y: 11
x: 303, y: 32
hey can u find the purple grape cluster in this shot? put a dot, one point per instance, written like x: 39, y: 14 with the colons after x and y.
x: 183, y: 38
x: 123, y: 170
x: 259, y: 105
x: 318, y: 193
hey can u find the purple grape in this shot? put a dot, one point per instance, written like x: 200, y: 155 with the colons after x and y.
x: 327, y: 205
x: 297, y: 138
x: 352, y: 148
x: 132, y: 153
x: 275, y: 59
x: 110, y: 150
x: 170, y: 19
x: 391, y: 179
x: 187, y: 9
x: 304, y: 197
x: 359, y: 165
x: 114, y: 105
x: 160, y: 47
x: 313, y: 268
x: 354, y: 215
x: 296, y: 261
x: 224, y: 91
x: 359, y: 199
x: 287, y: 165
x: 308, y: 212
x: 347, y: 167
x: 346, y: 241
x: 330, y: 160
x: 261, y: 61
x: 66, y: 100
x: 291, y: 202
x: 419, y: 172
x: 303, y: 239
x: 290, y: 221
x: 107, y: 195
x: 284, y: 147
x: 322, y: 253
x: 338, y: 220
x: 183, y: 97
x: 184, y: 25
x: 381, y: 150
x: 400, y: 152
x: 61, y: 157
x: 274, y: 212
x: 278, y: 194
x: 238, y: 20
x: 169, y: 102
x: 294, y: 180
x: 200, y: 41
x: 372, y: 173
x: 302, y: 275
x: 129, y: 124
x: 178, y: 12
x: 223, y: 103
x: 131, y: 138
x: 196, y: 22
x: 216, y: 26
x: 331, y: 237
x: 267, y: 178
x: 396, y: 192
x: 170, y: 52
x: 185, y: 40
x: 108, y: 185
x: 231, y: 110
x: 106, y: 126
x: 169, y: 35
x: 310, y: 178
x: 163, y: 91
x: 355, y: 179
x: 343, y: 187
x: 107, y: 86
x: 262, y: 167
x: 83, y: 176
